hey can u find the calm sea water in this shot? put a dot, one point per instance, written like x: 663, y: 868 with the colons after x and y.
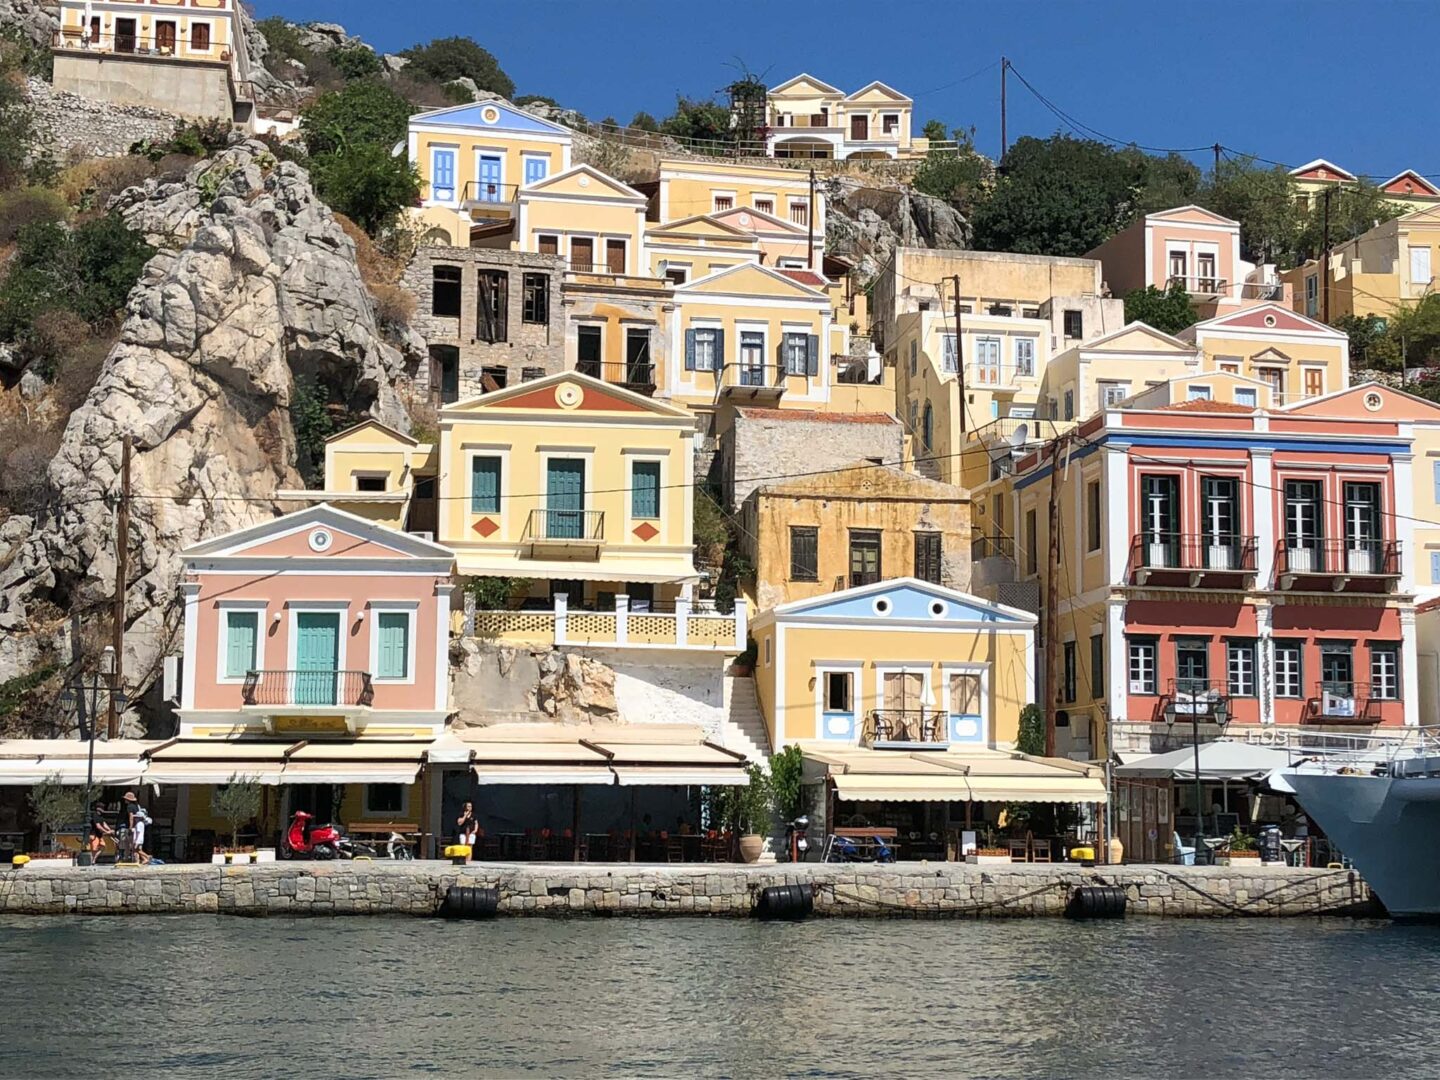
x: 220, y: 997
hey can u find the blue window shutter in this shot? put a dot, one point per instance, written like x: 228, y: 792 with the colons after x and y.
x: 689, y: 350
x: 719, y: 350
x: 1435, y: 568
x: 1436, y: 468
x: 645, y: 489
x: 485, y: 485
x: 812, y: 355
x: 393, y: 652
x: 241, y: 631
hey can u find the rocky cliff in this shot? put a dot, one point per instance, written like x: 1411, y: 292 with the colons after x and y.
x: 255, y: 290
x: 866, y: 219
x: 34, y: 20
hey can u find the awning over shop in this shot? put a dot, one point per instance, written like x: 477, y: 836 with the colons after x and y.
x: 24, y: 762
x: 1219, y: 761
x: 677, y: 755
x: 338, y: 761
x: 954, y: 776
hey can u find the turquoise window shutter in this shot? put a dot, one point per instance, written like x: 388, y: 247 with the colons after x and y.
x: 241, y: 633
x: 645, y: 489
x: 812, y: 355
x: 485, y: 485
x: 393, y: 659
x: 689, y: 350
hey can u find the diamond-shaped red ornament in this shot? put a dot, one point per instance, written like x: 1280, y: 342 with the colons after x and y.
x: 485, y: 527
x: 646, y: 531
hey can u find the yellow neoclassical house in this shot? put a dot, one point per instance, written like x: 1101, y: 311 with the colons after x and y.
x: 1295, y: 356
x: 809, y: 118
x: 689, y: 186
x: 1390, y: 266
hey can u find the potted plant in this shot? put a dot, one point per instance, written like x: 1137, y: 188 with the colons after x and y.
x: 1242, y: 849
x: 744, y: 663
x: 790, y: 799
x: 56, y: 805
x: 237, y: 802
x: 749, y: 812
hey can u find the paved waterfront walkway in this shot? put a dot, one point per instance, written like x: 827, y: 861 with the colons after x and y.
x: 911, y: 889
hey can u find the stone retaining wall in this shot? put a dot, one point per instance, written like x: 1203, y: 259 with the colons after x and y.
x: 68, y: 122
x: 908, y: 890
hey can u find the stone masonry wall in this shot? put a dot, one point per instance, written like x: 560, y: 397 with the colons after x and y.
x: 70, y: 123
x: 757, y: 445
x: 914, y: 890
x: 539, y: 347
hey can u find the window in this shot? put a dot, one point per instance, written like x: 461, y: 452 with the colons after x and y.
x: 1112, y: 394
x: 765, y: 205
x: 589, y: 348
x: 1229, y: 365
x: 927, y: 427
x: 1197, y: 393
x: 724, y: 202
x: 165, y: 36
x: 639, y: 372
x: 484, y: 485
x: 1288, y: 683
x: 1192, y: 665
x: 582, y: 253
x: 890, y: 123
x: 491, y: 309
x: 864, y: 557
x: 1074, y: 323
x: 1069, y: 674
x: 1032, y: 544
x: 1419, y: 266
x: 445, y: 292
x: 536, y: 168
x: 1240, y: 668
x: 1003, y: 310
x: 547, y: 244
x: 676, y: 275
x: 1092, y: 515
x: 1362, y: 527
x: 1142, y: 665
x: 804, y: 553
x: 1097, y: 666
x: 1435, y: 568
x: 1025, y: 356
x: 1337, y: 669
x: 442, y: 175
x: 752, y: 358
x: 838, y: 691
x: 615, y: 256
x: 1385, y: 671
x: 914, y: 356
x: 704, y: 348
x: 384, y: 798
x: 200, y: 36
x: 927, y: 557
x: 494, y: 378
x: 949, y: 355
x: 1205, y: 270
x: 1177, y: 263
x: 1030, y: 313
x: 242, y: 639
x: 1312, y: 295
x: 965, y: 695
x: 370, y: 483
x: 1160, y: 517
x: 392, y: 650
x: 1069, y: 404
x: 645, y: 489
x: 767, y: 652
x: 796, y: 351
x: 1302, y: 525
x: 1220, y: 522
x: 536, y: 305
x: 530, y: 374
x: 1313, y: 381
x: 987, y: 361
x: 799, y: 213
x: 445, y: 373
x: 1247, y: 396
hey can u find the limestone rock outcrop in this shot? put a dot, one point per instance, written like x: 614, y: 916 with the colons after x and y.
x: 35, y: 21
x: 498, y: 683
x: 255, y: 287
x: 867, y: 220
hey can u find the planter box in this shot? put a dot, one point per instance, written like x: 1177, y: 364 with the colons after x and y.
x: 239, y: 858
x: 989, y: 860
x: 45, y: 860
x: 264, y: 854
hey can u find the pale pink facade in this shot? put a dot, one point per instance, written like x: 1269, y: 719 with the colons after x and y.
x: 271, y: 609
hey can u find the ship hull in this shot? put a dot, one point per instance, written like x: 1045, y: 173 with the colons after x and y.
x: 1390, y: 829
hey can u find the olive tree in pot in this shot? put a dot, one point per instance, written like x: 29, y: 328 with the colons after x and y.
x: 237, y: 802
x: 749, y: 813
x: 56, y: 805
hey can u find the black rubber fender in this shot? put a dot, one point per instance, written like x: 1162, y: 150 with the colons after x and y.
x: 792, y: 902
x: 1097, y: 902
x: 470, y: 902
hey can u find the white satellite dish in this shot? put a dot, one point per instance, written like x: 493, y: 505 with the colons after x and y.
x: 1020, y: 436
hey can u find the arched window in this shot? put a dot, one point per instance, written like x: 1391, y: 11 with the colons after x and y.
x: 928, y: 432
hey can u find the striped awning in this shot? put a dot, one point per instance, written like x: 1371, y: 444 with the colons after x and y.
x: 953, y: 775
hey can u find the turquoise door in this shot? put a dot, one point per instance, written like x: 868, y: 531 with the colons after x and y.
x: 317, y: 657
x: 488, y: 166
x: 565, y: 499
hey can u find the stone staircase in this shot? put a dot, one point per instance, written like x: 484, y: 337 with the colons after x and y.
x: 928, y: 467
x: 743, y: 729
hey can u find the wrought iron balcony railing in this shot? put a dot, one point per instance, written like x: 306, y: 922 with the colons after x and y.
x: 582, y: 525
x: 1205, y: 556
x: 1340, y: 701
x: 323, y: 687
x: 917, y: 725
x: 1338, y: 558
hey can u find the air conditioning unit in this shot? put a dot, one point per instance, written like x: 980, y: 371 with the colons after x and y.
x: 172, y: 671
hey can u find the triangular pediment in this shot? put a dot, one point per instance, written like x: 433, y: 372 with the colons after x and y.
x: 584, y: 181
x: 1370, y: 400
x: 699, y: 226
x: 805, y: 85
x: 905, y: 600
x: 749, y: 279
x: 1409, y: 182
x: 1428, y: 217
x: 1271, y: 355
x: 757, y: 221
x: 566, y: 392
x: 1138, y: 337
x: 1320, y: 169
x: 1191, y: 215
x: 373, y: 432
x: 318, y: 532
x: 1274, y: 317
x: 493, y: 115
x: 878, y: 92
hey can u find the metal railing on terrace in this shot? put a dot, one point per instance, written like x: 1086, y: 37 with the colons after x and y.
x: 173, y: 45
x: 481, y: 193
x: 1344, y: 558
x: 632, y: 376
x: 911, y: 725
x: 302, y: 688
x: 1202, y: 553
x: 1341, y: 701
x: 578, y: 525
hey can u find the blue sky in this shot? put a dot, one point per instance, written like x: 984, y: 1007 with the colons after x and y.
x: 1284, y: 80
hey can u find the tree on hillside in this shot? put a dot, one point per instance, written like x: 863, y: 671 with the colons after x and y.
x: 446, y: 59
x: 1164, y: 182
x: 1263, y: 201
x: 1057, y: 196
x: 707, y: 120
x: 1372, y: 343
x: 958, y: 176
x: 644, y: 122
x: 17, y: 133
x: 356, y: 61
x: 364, y: 113
x: 935, y: 131
x: 366, y: 183
x: 1354, y: 209
x: 1169, y: 310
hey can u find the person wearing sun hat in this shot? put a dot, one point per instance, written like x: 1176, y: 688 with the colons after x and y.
x: 136, y: 818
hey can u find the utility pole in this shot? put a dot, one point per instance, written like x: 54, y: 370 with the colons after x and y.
x: 810, y: 217
x: 1052, y: 597
x: 1004, y: 137
x: 1324, y: 275
x: 122, y: 574
x: 960, y: 355
x: 1217, y: 149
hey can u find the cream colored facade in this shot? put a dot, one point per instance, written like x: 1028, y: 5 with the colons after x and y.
x: 185, y: 29
x: 1085, y: 379
x: 1295, y: 356
x: 1392, y: 265
x: 809, y: 118
x: 1407, y: 188
x: 691, y: 186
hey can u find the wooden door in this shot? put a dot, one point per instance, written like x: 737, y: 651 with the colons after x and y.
x: 901, y: 691
x: 859, y: 128
x: 582, y: 253
x: 317, y: 657
x: 565, y: 498
x: 125, y: 35
x: 165, y: 36
x: 615, y: 256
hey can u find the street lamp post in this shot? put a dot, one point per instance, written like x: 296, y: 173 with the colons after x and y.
x: 75, y: 696
x: 1220, y: 717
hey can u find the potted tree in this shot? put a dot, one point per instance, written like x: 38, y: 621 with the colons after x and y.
x: 790, y: 799
x: 750, y: 812
x: 56, y: 805
x: 237, y: 802
x: 1243, y: 851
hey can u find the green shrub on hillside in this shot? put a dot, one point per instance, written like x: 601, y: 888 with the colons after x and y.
x: 366, y: 183
x: 446, y: 59
x: 365, y: 113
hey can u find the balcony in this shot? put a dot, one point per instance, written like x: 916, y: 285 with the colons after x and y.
x: 307, y: 689
x: 1203, y: 701
x: 564, y: 533
x: 165, y: 46
x: 1191, y: 560
x: 483, y: 195
x: 637, y: 377
x: 906, y: 727
x: 1205, y: 287
x: 753, y: 383
x: 998, y: 376
x: 644, y: 626
x: 1341, y: 702
x: 1338, y: 565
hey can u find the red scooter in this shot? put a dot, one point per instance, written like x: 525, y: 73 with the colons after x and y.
x: 304, y: 840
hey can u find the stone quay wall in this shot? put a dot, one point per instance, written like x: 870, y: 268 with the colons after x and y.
x: 913, y: 890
